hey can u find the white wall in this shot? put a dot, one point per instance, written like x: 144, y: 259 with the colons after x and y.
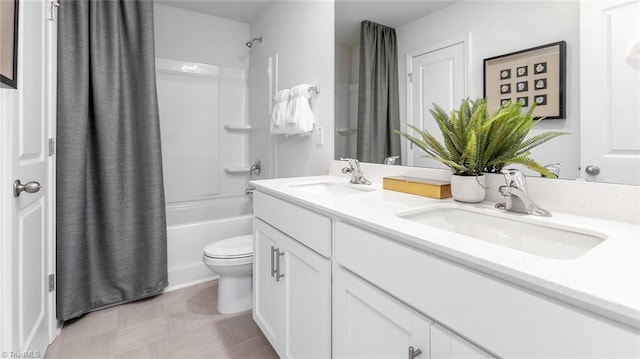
x: 301, y: 34
x: 502, y: 27
x: 191, y: 36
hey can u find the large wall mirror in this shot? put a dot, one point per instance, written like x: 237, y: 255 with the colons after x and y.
x: 440, y: 50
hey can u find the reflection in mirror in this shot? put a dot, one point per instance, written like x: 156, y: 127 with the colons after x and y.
x: 378, y: 106
x: 441, y: 47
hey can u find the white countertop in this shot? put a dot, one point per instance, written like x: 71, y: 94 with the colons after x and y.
x: 605, y: 280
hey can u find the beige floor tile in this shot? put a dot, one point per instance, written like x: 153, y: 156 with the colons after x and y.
x: 140, y: 311
x: 53, y: 349
x: 179, y: 324
x: 238, y: 329
x: 182, y: 322
x: 90, y: 325
x: 197, y: 299
x: 200, y: 343
x: 102, y: 346
x: 156, y: 350
x: 135, y: 336
x: 254, y: 348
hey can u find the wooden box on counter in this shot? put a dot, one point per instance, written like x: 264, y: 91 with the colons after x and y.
x: 419, y: 186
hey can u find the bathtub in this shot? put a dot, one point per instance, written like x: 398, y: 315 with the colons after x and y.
x: 192, y: 226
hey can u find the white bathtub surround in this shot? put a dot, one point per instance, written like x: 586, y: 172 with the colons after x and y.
x: 601, y: 200
x: 197, y: 103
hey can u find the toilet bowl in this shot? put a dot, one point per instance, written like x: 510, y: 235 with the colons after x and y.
x: 232, y: 259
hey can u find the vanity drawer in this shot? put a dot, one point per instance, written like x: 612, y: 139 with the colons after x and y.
x: 307, y: 227
x: 505, y: 319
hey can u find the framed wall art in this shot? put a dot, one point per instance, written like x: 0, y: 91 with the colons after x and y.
x: 9, y: 43
x: 532, y: 76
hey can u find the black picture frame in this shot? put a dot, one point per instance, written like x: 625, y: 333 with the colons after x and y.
x: 9, y: 54
x: 552, y: 56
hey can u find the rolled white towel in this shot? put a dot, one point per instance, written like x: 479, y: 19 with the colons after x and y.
x: 300, y: 117
x: 633, y: 52
x: 279, y: 112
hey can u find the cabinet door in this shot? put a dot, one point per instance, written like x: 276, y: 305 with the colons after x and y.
x: 268, y: 294
x: 447, y: 345
x: 369, y: 324
x: 307, y: 303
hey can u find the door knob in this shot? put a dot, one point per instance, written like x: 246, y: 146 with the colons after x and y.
x: 592, y: 170
x: 29, y: 187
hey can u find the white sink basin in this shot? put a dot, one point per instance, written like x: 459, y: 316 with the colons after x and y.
x: 332, y: 189
x: 539, y: 239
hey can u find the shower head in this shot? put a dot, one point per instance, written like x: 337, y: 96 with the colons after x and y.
x: 250, y: 42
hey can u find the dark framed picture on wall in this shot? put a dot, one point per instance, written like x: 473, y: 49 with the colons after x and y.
x: 532, y: 76
x: 9, y: 43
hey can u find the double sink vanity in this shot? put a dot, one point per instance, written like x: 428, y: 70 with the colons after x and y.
x: 354, y: 271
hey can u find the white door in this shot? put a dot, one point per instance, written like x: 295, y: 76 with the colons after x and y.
x: 435, y: 76
x: 307, y: 303
x: 610, y: 89
x: 268, y: 290
x: 27, y: 258
x: 447, y: 345
x: 369, y: 324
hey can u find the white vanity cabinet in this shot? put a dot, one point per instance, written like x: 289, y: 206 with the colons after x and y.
x: 292, y: 281
x: 368, y: 323
x: 504, y: 319
x: 446, y: 345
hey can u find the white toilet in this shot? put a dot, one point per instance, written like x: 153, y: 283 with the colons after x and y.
x: 232, y: 259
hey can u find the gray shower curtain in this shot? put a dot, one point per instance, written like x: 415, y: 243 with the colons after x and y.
x: 378, y: 101
x: 111, y: 226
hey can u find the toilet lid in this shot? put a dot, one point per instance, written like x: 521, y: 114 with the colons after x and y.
x: 241, y: 246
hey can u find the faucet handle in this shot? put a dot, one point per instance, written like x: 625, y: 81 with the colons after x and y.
x: 514, y: 178
x: 353, y: 163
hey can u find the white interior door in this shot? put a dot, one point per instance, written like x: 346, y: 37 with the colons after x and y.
x: 435, y: 76
x: 27, y: 315
x: 610, y: 89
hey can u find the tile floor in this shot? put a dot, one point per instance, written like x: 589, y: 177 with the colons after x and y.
x: 179, y: 324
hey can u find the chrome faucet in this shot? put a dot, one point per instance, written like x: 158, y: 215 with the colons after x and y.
x: 354, y: 171
x: 391, y: 160
x: 554, y: 168
x: 516, y: 195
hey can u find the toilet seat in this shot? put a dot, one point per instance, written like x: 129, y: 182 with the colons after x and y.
x: 227, y: 262
x: 231, y: 248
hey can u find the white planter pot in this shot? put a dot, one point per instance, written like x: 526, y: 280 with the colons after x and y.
x: 469, y: 189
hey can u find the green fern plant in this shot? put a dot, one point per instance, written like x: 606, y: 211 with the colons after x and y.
x: 476, y: 141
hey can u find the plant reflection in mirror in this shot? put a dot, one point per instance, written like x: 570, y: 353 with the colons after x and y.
x: 476, y: 141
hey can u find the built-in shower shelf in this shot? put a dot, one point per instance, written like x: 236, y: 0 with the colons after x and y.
x: 237, y: 170
x: 346, y: 131
x: 237, y: 127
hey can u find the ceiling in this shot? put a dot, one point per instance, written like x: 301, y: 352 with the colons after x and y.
x: 239, y: 10
x: 349, y: 13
